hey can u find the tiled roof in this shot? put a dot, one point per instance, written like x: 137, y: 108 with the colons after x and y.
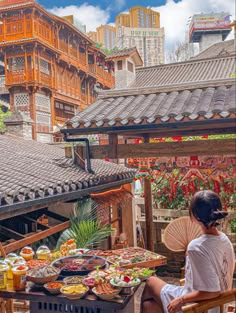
x: 155, y: 107
x: 223, y: 48
x: 122, y: 53
x: 31, y: 170
x: 185, y: 72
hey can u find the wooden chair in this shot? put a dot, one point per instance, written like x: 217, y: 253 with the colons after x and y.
x: 181, y: 231
x: 203, y: 306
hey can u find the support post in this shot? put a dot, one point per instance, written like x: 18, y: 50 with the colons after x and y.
x: 148, y: 208
x: 148, y: 214
x: 113, y: 142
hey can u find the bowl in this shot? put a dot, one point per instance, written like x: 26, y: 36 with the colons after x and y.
x: 72, y: 280
x: 54, y: 289
x: 74, y: 292
x: 116, y: 282
x: 32, y: 275
x: 105, y: 291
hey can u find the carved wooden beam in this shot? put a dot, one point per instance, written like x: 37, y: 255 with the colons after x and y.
x: 180, y: 148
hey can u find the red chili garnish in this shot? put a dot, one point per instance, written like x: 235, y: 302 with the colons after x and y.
x: 127, y: 279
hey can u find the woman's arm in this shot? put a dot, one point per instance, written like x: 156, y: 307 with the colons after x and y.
x: 176, y: 304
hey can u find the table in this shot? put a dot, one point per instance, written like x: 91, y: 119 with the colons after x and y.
x: 43, y: 302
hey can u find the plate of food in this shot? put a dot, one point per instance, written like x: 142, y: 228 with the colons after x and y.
x: 43, y: 274
x: 79, y: 264
x: 125, y: 281
x: 74, y: 291
x: 106, y: 291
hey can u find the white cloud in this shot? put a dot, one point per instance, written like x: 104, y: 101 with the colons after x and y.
x: 91, y: 16
x: 119, y: 4
x: 174, y: 16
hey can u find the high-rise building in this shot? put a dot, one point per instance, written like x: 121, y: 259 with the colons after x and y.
x: 141, y: 28
x: 139, y: 17
x: 148, y: 41
x: 105, y: 35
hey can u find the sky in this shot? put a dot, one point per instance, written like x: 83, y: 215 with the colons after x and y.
x: 174, y: 14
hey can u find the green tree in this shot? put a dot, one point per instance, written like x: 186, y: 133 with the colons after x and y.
x: 3, y: 115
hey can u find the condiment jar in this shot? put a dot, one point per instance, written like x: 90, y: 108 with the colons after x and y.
x: 27, y: 253
x: 10, y: 258
x: 3, y: 274
x: 43, y: 253
x: 19, y: 277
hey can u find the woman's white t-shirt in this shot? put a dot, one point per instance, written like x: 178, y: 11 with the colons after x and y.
x: 209, y: 267
x: 209, y: 264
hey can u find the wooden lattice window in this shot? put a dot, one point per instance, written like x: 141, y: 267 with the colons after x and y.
x: 43, y: 118
x: 16, y: 64
x: 21, y: 99
x: 43, y: 102
x: 44, y: 67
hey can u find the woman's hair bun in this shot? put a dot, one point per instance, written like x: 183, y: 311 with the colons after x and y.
x: 217, y: 215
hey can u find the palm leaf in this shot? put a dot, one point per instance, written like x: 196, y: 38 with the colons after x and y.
x: 84, y: 226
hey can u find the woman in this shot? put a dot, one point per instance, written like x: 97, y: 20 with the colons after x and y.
x: 209, y: 263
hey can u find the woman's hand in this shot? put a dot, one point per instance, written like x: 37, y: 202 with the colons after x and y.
x: 175, y: 305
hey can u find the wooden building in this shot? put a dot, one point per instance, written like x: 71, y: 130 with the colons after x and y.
x: 47, y: 66
x: 191, y: 98
x: 38, y: 179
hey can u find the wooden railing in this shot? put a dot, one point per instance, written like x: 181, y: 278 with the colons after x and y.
x: 82, y: 58
x: 15, y: 78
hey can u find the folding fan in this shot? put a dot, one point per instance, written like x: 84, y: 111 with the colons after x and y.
x: 180, y: 232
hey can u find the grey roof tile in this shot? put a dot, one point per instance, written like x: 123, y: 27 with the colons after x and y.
x: 222, y: 48
x: 30, y: 169
x: 134, y: 109
x: 185, y: 72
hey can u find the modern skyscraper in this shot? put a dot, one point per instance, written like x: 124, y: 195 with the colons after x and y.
x: 105, y: 35
x: 139, y: 17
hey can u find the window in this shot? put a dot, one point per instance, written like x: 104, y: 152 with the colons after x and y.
x: 130, y: 66
x: 119, y: 65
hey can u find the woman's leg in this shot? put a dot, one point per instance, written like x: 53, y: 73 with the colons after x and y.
x: 152, y: 291
x: 150, y: 306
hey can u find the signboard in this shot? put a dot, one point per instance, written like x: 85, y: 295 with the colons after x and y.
x: 143, y: 33
x: 211, y: 21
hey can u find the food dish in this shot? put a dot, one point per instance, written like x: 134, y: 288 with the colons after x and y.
x: 54, y: 287
x: 125, y: 281
x: 72, y: 280
x: 74, y: 291
x: 42, y: 275
x: 79, y: 264
x: 105, y: 291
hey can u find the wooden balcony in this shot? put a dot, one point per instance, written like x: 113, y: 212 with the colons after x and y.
x: 21, y: 77
x: 105, y: 78
x: 92, y: 69
x: 3, y: 88
x: 13, y: 78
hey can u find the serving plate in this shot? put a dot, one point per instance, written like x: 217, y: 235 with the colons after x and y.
x: 79, y: 264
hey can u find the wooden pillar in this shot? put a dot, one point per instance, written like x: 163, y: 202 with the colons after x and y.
x: 129, y: 218
x: 148, y: 209
x: 113, y: 142
x: 32, y: 106
x: 148, y: 214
